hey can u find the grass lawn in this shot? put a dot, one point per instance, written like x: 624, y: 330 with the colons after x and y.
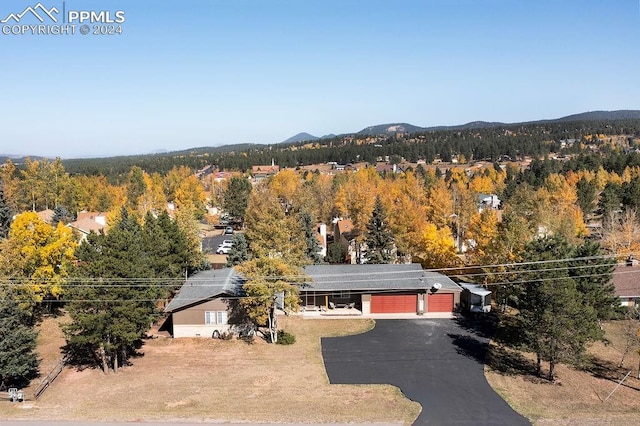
x: 577, y: 397
x: 215, y: 380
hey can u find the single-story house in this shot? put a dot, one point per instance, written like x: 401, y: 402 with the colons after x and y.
x: 204, y: 305
x: 378, y: 289
x: 626, y: 280
x: 202, y: 308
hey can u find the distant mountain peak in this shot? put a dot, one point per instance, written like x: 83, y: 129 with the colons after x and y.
x: 301, y: 137
x: 390, y: 128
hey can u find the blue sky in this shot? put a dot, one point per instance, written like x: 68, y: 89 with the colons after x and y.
x: 203, y: 73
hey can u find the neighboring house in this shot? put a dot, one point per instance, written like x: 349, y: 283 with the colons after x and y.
x: 379, y: 289
x: 344, y: 234
x: 202, y: 307
x: 46, y: 215
x: 626, y: 280
x: 87, y: 222
x: 488, y: 201
x: 262, y: 172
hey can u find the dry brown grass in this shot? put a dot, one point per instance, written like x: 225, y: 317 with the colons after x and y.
x: 578, y: 396
x: 206, y: 379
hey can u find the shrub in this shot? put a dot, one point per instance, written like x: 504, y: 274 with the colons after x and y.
x: 285, y: 338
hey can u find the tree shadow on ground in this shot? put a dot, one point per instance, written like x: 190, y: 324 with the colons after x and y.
x: 483, y: 325
x: 84, y: 356
x: 469, y: 346
x: 607, y: 370
x: 503, y: 355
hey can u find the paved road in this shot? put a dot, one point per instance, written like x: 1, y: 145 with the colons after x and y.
x: 434, y: 362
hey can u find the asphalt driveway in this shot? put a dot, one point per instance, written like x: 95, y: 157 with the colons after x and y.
x: 433, y: 361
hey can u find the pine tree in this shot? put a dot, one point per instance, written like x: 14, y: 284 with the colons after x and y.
x: 379, y: 239
x: 593, y: 274
x: 553, y: 316
x: 310, y: 235
x: 336, y: 253
x: 236, y: 197
x: 586, y: 193
x: 61, y: 214
x: 114, y: 299
x: 5, y: 216
x: 18, y: 359
x: 239, y: 252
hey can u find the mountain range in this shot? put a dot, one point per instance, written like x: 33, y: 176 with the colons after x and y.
x: 392, y: 128
x: 386, y: 129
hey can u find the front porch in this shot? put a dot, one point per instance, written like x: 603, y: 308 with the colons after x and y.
x: 334, y: 304
x: 326, y: 313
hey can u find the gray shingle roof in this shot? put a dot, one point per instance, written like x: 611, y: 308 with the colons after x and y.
x: 206, y: 285
x: 626, y: 280
x: 374, y: 277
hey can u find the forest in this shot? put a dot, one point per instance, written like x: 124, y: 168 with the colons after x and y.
x: 515, y: 141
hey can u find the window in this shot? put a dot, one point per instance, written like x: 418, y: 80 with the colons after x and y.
x: 215, y: 317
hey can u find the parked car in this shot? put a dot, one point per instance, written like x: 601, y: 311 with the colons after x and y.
x: 226, y: 243
x: 228, y: 230
x: 223, y: 249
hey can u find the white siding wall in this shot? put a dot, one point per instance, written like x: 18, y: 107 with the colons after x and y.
x: 197, y: 330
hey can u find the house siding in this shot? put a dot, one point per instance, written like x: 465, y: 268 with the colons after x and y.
x: 194, y: 316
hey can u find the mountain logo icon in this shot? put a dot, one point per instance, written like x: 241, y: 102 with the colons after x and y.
x: 39, y: 11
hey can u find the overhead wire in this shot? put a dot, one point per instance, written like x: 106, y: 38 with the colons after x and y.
x: 219, y: 281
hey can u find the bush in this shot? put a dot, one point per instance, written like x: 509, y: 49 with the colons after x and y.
x: 285, y: 338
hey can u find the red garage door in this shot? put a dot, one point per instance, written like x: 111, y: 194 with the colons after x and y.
x: 441, y: 302
x: 394, y: 303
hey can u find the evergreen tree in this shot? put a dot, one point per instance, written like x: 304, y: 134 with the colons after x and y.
x: 114, y: 299
x: 313, y: 246
x: 18, y: 359
x: 553, y: 316
x: 5, y: 216
x: 61, y: 214
x: 593, y: 274
x: 379, y: 239
x: 136, y: 187
x: 239, y: 252
x: 610, y: 199
x: 236, y: 197
x: 586, y: 193
x: 336, y: 254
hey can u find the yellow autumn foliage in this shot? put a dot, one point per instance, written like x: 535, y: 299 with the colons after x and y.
x: 37, y: 256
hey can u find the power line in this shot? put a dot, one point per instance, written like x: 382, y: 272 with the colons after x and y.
x: 223, y: 279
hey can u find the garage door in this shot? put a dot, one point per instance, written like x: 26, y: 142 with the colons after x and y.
x: 441, y: 302
x: 394, y: 303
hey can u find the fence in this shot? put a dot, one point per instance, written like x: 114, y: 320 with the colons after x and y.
x: 48, y: 379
